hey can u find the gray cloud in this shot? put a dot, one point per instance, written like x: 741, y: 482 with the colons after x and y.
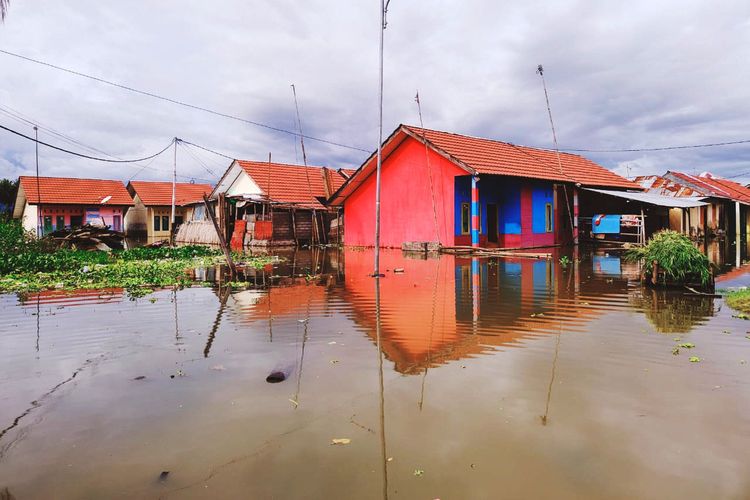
x: 635, y: 74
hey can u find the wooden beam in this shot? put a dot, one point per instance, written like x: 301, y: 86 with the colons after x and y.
x: 222, y: 240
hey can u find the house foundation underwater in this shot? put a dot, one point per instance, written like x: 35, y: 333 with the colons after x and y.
x: 457, y: 190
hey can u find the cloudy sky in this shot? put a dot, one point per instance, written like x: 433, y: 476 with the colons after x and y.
x: 636, y: 74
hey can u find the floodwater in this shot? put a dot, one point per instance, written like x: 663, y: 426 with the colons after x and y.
x: 456, y: 378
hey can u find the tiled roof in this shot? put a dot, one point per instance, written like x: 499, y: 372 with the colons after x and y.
x: 711, y: 185
x: 73, y: 191
x: 335, y: 179
x: 160, y: 193
x: 488, y: 156
x: 285, y: 183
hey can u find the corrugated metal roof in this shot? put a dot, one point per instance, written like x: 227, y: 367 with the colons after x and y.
x: 653, y: 198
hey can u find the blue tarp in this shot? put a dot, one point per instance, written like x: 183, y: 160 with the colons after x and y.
x: 605, y: 224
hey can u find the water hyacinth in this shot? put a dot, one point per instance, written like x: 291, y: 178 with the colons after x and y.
x: 679, y: 260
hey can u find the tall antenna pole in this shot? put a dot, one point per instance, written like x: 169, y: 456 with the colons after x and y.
x: 174, y: 189
x: 302, y: 141
x: 383, y: 11
x: 574, y: 215
x: 40, y: 219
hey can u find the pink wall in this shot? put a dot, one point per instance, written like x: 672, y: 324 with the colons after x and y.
x: 67, y: 211
x: 406, y: 208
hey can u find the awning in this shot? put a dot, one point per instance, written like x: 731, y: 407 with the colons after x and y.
x: 652, y: 198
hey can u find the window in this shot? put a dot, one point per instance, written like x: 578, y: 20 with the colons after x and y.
x: 157, y: 223
x: 165, y: 223
x: 116, y: 223
x: 60, y: 223
x: 76, y: 220
x: 548, y: 214
x: 465, y: 218
x: 47, y: 224
x: 178, y: 219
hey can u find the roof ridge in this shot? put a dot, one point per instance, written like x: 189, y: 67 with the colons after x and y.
x: 549, y: 150
x: 69, y: 178
x: 282, y: 164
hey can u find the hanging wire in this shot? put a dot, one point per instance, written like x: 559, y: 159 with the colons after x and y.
x: 178, y: 102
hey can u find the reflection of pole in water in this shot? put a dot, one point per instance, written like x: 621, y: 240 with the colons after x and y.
x: 552, y: 377
x: 38, y: 301
x: 176, y: 325
x: 475, y: 279
x: 223, y: 296
x: 383, y: 453
x: 576, y: 269
x: 301, y: 361
x: 432, y: 331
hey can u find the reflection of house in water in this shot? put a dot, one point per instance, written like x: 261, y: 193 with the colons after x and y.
x: 70, y: 298
x: 449, y: 308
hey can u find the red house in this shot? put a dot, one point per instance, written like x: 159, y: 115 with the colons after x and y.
x: 442, y: 187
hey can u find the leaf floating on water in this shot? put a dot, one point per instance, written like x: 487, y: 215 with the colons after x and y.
x: 687, y: 345
x: 418, y: 472
x: 295, y: 403
x: 741, y: 316
x: 677, y: 339
x: 389, y: 459
x: 675, y: 351
x: 338, y: 441
x: 334, y: 361
x: 695, y: 359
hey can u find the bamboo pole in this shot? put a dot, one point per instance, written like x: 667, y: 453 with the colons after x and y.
x: 222, y: 240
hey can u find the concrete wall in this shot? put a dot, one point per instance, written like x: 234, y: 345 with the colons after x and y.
x: 406, y: 200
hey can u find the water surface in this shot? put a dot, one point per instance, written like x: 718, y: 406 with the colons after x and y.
x: 479, y: 378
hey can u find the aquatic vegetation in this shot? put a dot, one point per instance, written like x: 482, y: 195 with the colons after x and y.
x: 739, y: 300
x: 30, y: 264
x: 678, y: 259
x: 564, y: 261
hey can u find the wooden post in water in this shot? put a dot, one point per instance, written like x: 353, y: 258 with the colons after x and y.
x: 222, y: 240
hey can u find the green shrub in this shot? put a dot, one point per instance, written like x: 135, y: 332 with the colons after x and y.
x: 679, y: 260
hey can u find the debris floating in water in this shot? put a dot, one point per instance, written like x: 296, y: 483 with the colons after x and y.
x: 163, y: 475
x: 340, y: 441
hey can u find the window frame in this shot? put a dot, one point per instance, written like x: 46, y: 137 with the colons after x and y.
x: 157, y: 223
x: 549, y: 216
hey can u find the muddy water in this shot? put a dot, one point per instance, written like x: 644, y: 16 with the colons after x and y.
x: 474, y: 378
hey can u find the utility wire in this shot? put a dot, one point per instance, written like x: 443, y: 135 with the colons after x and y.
x: 662, y: 148
x: 206, y: 149
x: 178, y: 102
x: 83, y: 155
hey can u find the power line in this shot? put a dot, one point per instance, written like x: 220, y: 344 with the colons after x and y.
x: 206, y: 149
x: 178, y: 102
x: 662, y: 148
x: 83, y: 155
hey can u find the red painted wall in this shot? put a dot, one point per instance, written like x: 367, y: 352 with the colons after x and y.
x: 406, y: 212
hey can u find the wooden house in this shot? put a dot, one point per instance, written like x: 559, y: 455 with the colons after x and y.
x: 723, y: 212
x: 150, y: 217
x: 47, y: 204
x: 457, y: 190
x: 276, y: 204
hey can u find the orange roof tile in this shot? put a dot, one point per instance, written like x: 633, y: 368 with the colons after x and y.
x: 74, y: 191
x: 285, y: 183
x: 488, y: 156
x: 160, y: 193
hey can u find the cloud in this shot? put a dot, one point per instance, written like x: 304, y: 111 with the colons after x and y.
x: 635, y: 74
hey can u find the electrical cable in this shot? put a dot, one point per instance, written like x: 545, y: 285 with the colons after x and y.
x: 83, y: 155
x: 180, y: 103
x: 662, y: 148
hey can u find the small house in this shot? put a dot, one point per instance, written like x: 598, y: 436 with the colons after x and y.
x: 457, y: 190
x: 47, y: 204
x: 150, y: 218
x: 276, y: 204
x: 723, y: 211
